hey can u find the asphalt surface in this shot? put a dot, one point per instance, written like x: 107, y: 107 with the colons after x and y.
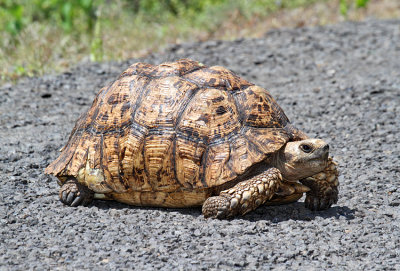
x: 340, y: 83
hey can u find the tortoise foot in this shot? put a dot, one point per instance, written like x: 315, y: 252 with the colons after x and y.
x: 74, y: 194
x: 316, y: 203
x: 216, y: 207
x: 324, y: 188
x: 244, y: 196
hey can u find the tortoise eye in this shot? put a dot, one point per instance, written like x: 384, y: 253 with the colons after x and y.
x: 306, y: 148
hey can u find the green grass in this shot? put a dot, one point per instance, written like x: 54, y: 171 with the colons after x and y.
x: 42, y: 36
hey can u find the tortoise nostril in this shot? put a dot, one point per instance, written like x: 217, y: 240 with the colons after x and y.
x: 326, y: 147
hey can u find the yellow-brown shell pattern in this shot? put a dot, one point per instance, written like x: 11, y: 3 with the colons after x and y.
x: 175, y: 126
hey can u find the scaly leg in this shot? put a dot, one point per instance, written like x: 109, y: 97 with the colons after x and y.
x: 324, y: 188
x: 244, y: 196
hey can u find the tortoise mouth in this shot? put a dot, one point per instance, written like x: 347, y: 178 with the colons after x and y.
x: 326, y: 156
x: 323, y: 152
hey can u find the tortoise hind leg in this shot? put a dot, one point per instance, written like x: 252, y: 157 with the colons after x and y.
x: 244, y: 196
x: 73, y: 193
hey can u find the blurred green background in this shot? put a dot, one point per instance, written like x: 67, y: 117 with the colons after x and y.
x: 47, y: 36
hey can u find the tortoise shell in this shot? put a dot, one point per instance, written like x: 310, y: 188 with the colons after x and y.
x: 179, y: 126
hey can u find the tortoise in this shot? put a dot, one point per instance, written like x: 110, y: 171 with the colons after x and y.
x: 182, y: 134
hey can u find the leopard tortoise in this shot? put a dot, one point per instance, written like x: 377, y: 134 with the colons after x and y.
x: 182, y: 134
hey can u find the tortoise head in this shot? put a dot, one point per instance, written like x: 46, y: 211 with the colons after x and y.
x: 304, y: 158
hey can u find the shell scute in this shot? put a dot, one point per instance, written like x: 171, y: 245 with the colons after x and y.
x: 217, y: 77
x: 188, y: 158
x: 110, y: 164
x: 267, y: 140
x: 211, y: 115
x: 243, y: 154
x: 132, y: 158
x: 178, y: 68
x: 259, y: 109
x: 162, y: 100
x: 158, y: 149
x: 215, y: 167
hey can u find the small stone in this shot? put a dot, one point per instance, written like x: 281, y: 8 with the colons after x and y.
x: 331, y: 72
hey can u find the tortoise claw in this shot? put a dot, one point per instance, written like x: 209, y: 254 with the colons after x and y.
x: 77, y: 201
x: 63, y: 196
x: 74, y: 194
x: 312, y: 203
x: 70, y: 197
x: 318, y: 203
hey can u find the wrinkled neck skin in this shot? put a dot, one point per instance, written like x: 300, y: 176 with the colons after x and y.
x: 288, y: 170
x: 294, y: 167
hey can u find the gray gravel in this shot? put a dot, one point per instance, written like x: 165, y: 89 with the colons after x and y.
x: 340, y: 83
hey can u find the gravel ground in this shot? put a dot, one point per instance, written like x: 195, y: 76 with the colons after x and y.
x: 340, y: 83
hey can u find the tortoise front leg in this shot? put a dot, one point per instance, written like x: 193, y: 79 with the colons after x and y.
x: 244, y: 196
x: 73, y: 193
x: 324, y: 188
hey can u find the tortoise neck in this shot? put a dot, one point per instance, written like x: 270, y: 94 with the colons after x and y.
x: 278, y: 161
